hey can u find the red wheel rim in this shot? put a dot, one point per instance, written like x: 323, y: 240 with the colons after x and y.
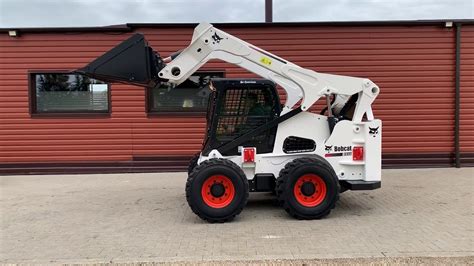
x: 313, y: 198
x: 218, y: 201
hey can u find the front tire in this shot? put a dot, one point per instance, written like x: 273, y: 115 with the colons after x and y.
x: 308, y: 188
x: 217, y: 190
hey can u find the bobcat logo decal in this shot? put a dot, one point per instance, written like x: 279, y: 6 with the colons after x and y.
x: 374, y: 131
x: 216, y: 38
x: 328, y: 148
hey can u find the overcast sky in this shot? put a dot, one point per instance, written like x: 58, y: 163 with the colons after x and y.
x: 66, y: 13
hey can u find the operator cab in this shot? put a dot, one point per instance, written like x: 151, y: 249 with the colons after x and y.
x: 236, y: 107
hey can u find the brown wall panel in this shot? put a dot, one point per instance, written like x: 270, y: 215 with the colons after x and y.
x: 414, y: 67
x: 466, y: 136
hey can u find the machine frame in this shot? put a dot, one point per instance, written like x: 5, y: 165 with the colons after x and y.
x: 313, y: 157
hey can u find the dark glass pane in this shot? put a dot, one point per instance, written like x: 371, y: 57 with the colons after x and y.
x: 243, y: 111
x: 191, y: 95
x: 70, y: 93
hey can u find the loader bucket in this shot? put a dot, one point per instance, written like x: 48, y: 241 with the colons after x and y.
x: 131, y: 62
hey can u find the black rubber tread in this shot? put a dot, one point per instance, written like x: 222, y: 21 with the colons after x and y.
x: 222, y: 163
x: 193, y: 162
x: 285, y: 176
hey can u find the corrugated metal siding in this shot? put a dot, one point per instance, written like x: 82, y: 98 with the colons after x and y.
x: 25, y: 139
x: 126, y: 134
x: 414, y: 66
x: 467, y: 90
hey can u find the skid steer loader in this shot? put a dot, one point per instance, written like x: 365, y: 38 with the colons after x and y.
x: 255, y: 143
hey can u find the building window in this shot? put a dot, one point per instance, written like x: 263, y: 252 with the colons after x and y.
x: 68, y: 93
x: 191, y: 96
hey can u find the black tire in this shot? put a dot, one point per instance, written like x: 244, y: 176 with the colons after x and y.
x: 210, y: 169
x: 193, y: 162
x: 300, y: 168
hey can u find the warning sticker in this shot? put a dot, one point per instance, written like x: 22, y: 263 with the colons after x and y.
x: 265, y: 60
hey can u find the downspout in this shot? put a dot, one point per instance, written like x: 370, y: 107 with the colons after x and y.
x: 268, y: 11
x: 457, y: 96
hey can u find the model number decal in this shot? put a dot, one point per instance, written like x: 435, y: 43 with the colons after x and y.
x: 338, y: 154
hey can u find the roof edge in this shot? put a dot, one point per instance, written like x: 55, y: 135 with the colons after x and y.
x: 128, y: 27
x: 111, y: 28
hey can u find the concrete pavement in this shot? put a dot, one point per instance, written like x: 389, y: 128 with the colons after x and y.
x: 145, y: 218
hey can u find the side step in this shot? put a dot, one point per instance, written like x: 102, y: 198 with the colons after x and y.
x: 262, y: 183
x: 360, y: 184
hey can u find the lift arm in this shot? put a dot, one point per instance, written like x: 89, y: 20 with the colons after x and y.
x: 299, y: 83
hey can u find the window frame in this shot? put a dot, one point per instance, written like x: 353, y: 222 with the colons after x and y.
x: 180, y: 112
x: 79, y: 113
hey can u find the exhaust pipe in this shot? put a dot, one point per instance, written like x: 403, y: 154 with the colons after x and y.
x: 131, y: 62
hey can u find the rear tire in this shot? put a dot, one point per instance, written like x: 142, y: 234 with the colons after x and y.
x: 308, y: 188
x: 217, y: 190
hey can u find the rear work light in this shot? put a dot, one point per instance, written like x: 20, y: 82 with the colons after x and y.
x: 249, y: 155
x: 358, y: 153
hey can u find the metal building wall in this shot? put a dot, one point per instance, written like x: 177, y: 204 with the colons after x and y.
x: 467, y: 95
x: 413, y: 65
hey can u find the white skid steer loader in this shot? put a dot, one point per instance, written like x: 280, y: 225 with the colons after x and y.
x: 255, y: 143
